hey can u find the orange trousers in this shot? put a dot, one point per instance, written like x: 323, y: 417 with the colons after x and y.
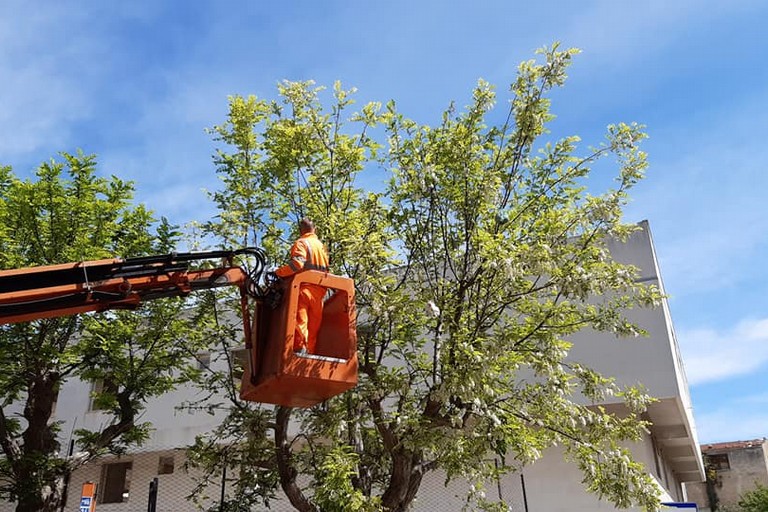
x: 309, y: 317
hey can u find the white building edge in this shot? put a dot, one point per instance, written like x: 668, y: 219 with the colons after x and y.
x: 670, y: 452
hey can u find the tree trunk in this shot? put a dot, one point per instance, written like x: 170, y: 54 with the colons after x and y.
x: 30, y: 503
x: 404, y: 481
x: 286, y: 471
x: 39, y: 488
x: 47, y: 499
x: 413, y: 484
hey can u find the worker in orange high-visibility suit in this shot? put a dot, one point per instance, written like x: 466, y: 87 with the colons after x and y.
x: 307, y: 253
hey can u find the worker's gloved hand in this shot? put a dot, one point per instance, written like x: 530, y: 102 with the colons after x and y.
x: 271, y: 277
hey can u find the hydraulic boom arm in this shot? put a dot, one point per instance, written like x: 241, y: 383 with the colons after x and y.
x: 59, y: 290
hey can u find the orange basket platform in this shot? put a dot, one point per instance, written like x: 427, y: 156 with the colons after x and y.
x: 278, y: 375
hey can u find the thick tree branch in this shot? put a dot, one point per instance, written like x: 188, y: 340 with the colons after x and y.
x: 285, y: 469
x: 10, y: 447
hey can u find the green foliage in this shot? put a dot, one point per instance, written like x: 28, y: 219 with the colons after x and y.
x: 755, y: 500
x: 291, y: 160
x: 69, y: 213
x: 244, y: 457
x: 334, y: 491
x: 483, y: 256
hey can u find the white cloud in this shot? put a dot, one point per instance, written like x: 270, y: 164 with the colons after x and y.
x: 39, y: 96
x: 759, y: 399
x: 58, y: 64
x: 703, y: 196
x: 720, y: 425
x: 628, y: 30
x: 712, y: 355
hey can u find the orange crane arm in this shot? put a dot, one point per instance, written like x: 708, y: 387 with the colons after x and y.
x: 59, y: 290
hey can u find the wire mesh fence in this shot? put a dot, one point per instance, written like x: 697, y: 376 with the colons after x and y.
x: 508, y: 492
x: 158, y: 481
x: 155, y: 481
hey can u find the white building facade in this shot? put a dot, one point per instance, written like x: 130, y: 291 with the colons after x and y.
x: 670, y: 451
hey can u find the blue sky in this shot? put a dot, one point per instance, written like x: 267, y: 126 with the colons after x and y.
x: 138, y: 82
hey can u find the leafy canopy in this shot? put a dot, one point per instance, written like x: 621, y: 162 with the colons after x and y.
x: 474, y: 266
x: 755, y: 500
x: 68, y: 213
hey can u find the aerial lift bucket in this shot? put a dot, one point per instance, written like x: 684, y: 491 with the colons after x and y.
x: 275, y: 373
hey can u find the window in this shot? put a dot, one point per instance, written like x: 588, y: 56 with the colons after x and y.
x: 165, y: 466
x: 239, y: 359
x: 54, y: 405
x: 115, y: 482
x: 98, y: 387
x: 656, y: 456
x: 719, y: 461
x: 203, y: 361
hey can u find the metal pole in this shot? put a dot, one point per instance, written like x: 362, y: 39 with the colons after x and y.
x: 223, y: 486
x: 525, y: 497
x: 152, y: 502
x: 498, y: 479
x: 65, y: 491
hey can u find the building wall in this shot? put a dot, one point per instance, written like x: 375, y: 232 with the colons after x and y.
x: 548, y: 485
x: 551, y: 485
x: 173, y: 429
x: 653, y: 360
x: 172, y: 492
x: 173, y: 488
x: 748, y: 466
x: 172, y: 425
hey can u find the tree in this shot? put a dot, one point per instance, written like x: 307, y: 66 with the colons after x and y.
x: 473, y: 267
x: 68, y: 214
x: 755, y: 500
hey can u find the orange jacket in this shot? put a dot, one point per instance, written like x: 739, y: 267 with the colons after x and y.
x: 307, y: 253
